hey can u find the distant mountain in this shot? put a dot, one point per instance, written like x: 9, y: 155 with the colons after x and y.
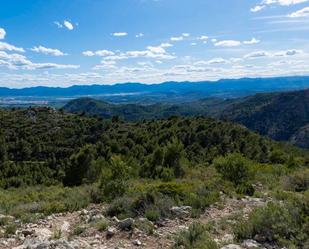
x: 280, y: 116
x: 134, y: 112
x: 166, y: 92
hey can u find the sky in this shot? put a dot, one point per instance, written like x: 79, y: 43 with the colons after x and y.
x: 82, y: 42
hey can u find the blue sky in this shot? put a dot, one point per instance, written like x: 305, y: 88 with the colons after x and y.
x: 63, y: 43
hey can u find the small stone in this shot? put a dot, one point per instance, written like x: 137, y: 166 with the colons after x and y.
x: 110, y: 232
x: 181, y: 212
x: 137, y: 242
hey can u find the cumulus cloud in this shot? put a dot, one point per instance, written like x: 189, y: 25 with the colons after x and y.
x: 68, y: 25
x: 119, y: 34
x: 257, y: 8
x: 2, y: 33
x: 101, y: 53
x: 252, y: 41
x: 213, y: 61
x: 48, y: 51
x: 228, y: 43
x: 177, y: 38
x: 284, y: 53
x: 9, y: 47
x: 300, y: 13
x: 265, y: 3
x: 65, y: 24
x: 18, y: 61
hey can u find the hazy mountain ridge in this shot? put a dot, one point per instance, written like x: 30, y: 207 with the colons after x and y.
x: 225, y: 88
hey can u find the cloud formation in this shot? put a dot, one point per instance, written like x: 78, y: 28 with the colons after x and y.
x: 9, y: 47
x: 300, y: 13
x: 2, y: 33
x: 227, y: 43
x: 65, y: 24
x: 48, y: 51
x: 119, y: 34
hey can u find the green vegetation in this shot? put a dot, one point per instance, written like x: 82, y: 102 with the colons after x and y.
x: 196, y: 237
x: 285, y: 224
x: 63, y: 162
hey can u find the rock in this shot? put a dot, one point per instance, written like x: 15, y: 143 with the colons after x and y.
x: 137, y: 242
x: 249, y: 243
x: 110, y: 232
x: 43, y: 233
x: 231, y: 246
x: 181, y: 212
x: 96, y: 217
x: 126, y: 224
x: 27, y: 232
x: 115, y: 219
x: 228, y: 238
x: 260, y: 238
x: 65, y: 227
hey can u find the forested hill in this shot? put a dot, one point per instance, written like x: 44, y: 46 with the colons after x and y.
x: 45, y: 146
x: 135, y: 112
x: 280, y: 116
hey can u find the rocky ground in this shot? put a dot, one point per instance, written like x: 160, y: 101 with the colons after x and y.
x: 90, y: 229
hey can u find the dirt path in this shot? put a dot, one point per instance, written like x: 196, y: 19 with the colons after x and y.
x: 60, y: 227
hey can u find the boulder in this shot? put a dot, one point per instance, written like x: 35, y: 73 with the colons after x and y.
x: 110, y: 232
x: 249, y: 243
x: 231, y: 246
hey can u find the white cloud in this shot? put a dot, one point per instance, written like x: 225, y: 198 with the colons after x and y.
x: 119, y: 34
x: 257, y: 54
x: 166, y: 45
x: 102, y: 53
x: 213, y: 61
x: 203, y: 38
x: 193, y: 44
x: 65, y: 24
x: 185, y: 34
x: 68, y: 25
x: 264, y: 3
x: 290, y: 52
x: 257, y: 8
x: 178, y: 38
x: 9, y: 47
x: 58, y: 24
x: 284, y: 2
x: 17, y: 61
x: 228, y: 43
x: 2, y: 33
x: 300, y: 13
x: 139, y: 35
x: 48, y: 51
x: 252, y: 41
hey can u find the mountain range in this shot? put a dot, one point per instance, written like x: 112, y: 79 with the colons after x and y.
x: 164, y: 92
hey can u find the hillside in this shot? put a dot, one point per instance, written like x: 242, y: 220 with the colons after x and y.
x: 71, y: 181
x: 280, y: 116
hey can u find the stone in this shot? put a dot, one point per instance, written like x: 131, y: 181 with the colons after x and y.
x: 228, y: 238
x: 181, y: 212
x: 137, y: 242
x: 110, y: 232
x: 126, y: 224
x: 231, y: 246
x: 249, y: 243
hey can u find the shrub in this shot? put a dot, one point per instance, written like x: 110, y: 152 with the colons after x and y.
x: 245, y: 189
x: 196, y: 237
x: 233, y: 167
x: 298, y: 181
x: 152, y: 215
x: 10, y: 229
x: 285, y: 224
x: 114, y: 178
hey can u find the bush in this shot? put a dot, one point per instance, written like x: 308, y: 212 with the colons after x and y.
x: 298, y: 181
x: 152, y: 215
x: 233, y: 167
x: 245, y: 189
x: 285, y: 225
x: 196, y: 237
x: 114, y: 178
